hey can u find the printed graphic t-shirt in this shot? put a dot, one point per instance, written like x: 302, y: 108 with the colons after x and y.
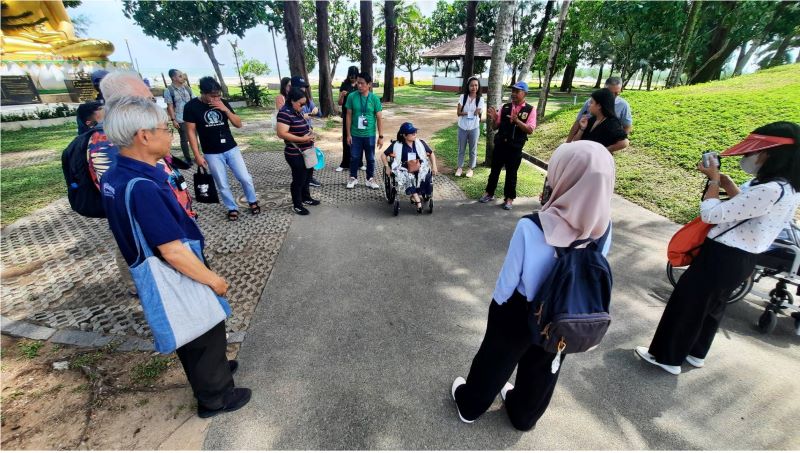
x: 212, y: 126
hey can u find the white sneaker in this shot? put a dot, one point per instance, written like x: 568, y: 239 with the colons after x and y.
x: 458, y: 172
x: 644, y: 353
x: 469, y: 173
x: 372, y: 184
x: 456, y: 384
x: 363, y: 168
x: 352, y: 183
x: 339, y: 168
x: 695, y: 362
x: 505, y: 390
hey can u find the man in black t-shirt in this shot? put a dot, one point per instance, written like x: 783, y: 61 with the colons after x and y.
x: 348, y: 86
x: 209, y: 115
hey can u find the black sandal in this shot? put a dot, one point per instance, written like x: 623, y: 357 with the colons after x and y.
x: 233, y: 215
x: 255, y: 209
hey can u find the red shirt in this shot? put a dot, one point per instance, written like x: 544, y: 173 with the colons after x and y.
x: 531, y: 121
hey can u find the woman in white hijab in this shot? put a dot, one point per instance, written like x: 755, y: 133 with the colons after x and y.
x: 581, y: 176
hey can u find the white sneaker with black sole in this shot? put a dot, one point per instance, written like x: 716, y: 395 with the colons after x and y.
x: 644, y: 353
x: 456, y: 384
x: 363, y: 168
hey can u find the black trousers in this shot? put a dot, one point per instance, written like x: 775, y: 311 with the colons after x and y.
x: 345, y: 147
x: 510, y: 157
x: 300, y: 177
x: 507, y: 345
x: 697, y: 304
x: 206, y: 366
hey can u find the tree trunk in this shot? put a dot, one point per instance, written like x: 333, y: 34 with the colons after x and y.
x: 611, y: 72
x: 649, y: 79
x: 777, y: 59
x: 502, y: 36
x: 469, y: 57
x: 741, y: 60
x: 366, y: 36
x: 514, y: 72
x: 537, y: 42
x: 641, y: 79
x: 333, y: 69
x: 411, y: 76
x: 566, y: 79
x: 599, y: 76
x: 391, y: 31
x: 326, y: 105
x: 551, y: 60
x: 293, y: 29
x: 681, y: 53
x: 209, y: 49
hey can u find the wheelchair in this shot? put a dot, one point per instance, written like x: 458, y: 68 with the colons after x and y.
x: 391, y: 193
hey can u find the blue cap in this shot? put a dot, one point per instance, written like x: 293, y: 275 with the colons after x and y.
x: 299, y: 82
x: 520, y: 86
x: 98, y: 75
x: 407, y: 128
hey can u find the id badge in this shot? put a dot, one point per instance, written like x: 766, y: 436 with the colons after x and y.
x: 223, y: 140
x: 412, y: 156
x: 471, y: 114
x: 362, y: 122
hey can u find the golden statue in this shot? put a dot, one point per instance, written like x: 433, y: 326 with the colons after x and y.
x: 42, y: 30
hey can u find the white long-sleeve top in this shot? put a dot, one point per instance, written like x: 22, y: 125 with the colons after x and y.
x: 769, y: 207
x: 528, y: 262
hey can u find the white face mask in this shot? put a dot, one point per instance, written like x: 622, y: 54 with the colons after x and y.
x: 749, y: 165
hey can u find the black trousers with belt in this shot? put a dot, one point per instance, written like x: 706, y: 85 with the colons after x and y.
x: 206, y: 366
x: 300, y: 177
x: 508, y: 156
x: 507, y: 345
x: 697, y: 305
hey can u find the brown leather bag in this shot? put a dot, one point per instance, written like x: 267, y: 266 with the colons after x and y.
x: 413, y: 165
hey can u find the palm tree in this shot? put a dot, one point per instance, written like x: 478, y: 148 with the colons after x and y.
x: 323, y: 38
x: 469, y: 56
x: 366, y: 36
x: 502, y: 39
x: 391, y: 46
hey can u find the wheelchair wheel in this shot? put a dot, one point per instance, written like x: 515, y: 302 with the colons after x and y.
x: 430, y: 205
x: 396, y: 208
x: 388, y: 189
x: 767, y: 321
x: 781, y: 298
x: 674, y: 274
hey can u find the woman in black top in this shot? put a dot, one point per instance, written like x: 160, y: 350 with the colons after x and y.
x: 602, y: 126
x: 297, y: 136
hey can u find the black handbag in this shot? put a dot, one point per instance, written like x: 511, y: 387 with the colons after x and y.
x: 205, y: 191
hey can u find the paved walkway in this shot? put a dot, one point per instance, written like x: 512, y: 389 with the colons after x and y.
x: 367, y: 318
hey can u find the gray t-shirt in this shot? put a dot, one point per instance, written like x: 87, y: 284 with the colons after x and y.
x: 182, y: 96
x: 621, y: 108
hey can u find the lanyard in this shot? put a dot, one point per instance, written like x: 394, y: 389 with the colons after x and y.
x: 364, y: 103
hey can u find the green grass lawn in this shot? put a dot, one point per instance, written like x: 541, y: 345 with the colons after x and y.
x: 26, y: 189
x: 672, y: 128
x: 420, y: 96
x: 445, y: 145
x: 53, y: 137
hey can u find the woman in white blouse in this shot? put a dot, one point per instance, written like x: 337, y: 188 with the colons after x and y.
x: 746, y: 225
x: 582, y: 178
x: 469, y: 110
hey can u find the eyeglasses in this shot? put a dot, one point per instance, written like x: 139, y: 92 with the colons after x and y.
x: 170, y: 129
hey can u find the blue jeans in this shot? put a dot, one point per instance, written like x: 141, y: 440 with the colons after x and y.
x: 367, y: 146
x: 233, y: 159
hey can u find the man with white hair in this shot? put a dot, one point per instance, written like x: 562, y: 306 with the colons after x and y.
x: 143, y: 135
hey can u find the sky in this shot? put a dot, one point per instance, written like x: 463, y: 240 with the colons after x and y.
x: 154, y: 56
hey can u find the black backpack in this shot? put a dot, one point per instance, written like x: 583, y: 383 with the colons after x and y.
x: 570, y: 312
x: 84, y: 198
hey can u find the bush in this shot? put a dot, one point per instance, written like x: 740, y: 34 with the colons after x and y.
x: 59, y: 111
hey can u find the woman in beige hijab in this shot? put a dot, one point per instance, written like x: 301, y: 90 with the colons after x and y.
x: 581, y: 175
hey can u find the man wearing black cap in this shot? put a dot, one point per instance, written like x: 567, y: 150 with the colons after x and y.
x: 515, y: 121
x: 89, y: 115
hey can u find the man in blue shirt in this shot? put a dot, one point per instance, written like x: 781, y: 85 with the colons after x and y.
x: 140, y: 130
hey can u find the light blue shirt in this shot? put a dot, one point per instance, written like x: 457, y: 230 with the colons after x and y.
x: 621, y: 108
x: 528, y: 263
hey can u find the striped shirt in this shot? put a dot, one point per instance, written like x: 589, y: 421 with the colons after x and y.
x: 297, y: 126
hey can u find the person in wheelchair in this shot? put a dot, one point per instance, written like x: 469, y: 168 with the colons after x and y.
x: 412, y: 163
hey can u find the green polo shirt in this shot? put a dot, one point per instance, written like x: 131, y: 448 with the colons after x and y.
x: 368, y: 106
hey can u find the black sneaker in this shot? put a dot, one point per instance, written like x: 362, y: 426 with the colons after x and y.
x: 314, y: 183
x: 234, y: 400
x: 300, y: 210
x: 311, y: 202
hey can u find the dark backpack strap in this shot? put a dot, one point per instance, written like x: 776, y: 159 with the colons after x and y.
x: 600, y: 242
